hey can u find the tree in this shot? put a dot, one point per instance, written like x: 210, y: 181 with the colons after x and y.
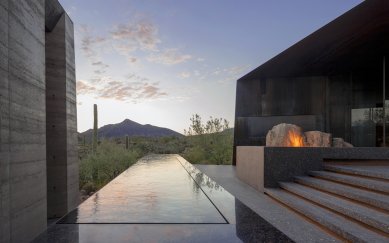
x: 209, y: 144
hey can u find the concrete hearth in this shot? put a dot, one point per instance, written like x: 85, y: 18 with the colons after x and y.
x: 263, y: 167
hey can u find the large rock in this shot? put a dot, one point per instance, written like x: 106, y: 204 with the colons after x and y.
x: 285, y: 135
x: 340, y: 143
x: 318, y: 139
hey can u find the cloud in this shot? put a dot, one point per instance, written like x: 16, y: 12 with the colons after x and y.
x: 230, y: 74
x: 135, y: 89
x: 84, y: 88
x: 184, y: 75
x: 136, y: 78
x: 136, y: 35
x: 231, y: 71
x: 132, y: 59
x: 169, y: 57
x: 130, y: 91
x: 133, y: 40
x: 100, y: 64
x: 89, y: 42
x: 236, y: 70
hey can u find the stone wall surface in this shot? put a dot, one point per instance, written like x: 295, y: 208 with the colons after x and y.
x: 27, y: 126
x: 62, y: 160
x: 23, y: 113
x: 4, y: 126
x: 71, y: 117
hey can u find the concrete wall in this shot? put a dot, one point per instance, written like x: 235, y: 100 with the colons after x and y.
x: 71, y: 118
x: 23, y: 177
x: 62, y: 166
x: 23, y: 112
x: 250, y: 166
x: 4, y: 127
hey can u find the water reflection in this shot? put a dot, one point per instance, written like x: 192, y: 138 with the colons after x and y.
x: 222, y: 199
x: 167, y: 190
x: 157, y: 189
x: 250, y: 227
x: 104, y: 233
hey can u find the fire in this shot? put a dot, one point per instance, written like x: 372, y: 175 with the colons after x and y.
x: 295, y: 139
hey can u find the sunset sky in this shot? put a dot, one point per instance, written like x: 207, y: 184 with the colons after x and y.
x: 160, y: 61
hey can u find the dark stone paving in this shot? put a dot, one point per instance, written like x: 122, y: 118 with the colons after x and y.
x: 162, y: 198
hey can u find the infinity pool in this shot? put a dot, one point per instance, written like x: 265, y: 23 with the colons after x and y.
x: 162, y: 198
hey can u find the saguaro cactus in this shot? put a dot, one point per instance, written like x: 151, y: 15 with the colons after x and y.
x: 94, y: 146
x: 127, y: 142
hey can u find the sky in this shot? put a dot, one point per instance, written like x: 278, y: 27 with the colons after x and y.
x: 160, y: 61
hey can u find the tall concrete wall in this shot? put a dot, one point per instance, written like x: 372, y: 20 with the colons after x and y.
x: 27, y: 119
x: 4, y: 127
x: 23, y: 176
x: 62, y: 166
x: 71, y: 118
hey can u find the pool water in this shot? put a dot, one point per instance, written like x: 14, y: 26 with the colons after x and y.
x: 162, y: 198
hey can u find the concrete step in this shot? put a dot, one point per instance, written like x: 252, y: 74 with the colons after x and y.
x: 289, y: 222
x: 376, y: 185
x: 338, y: 224
x: 375, y: 171
x: 371, y: 198
x: 369, y: 216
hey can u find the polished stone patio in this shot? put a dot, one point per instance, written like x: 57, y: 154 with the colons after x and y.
x: 162, y: 198
x: 291, y: 224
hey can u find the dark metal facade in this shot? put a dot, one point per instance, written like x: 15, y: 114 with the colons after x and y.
x: 332, y: 81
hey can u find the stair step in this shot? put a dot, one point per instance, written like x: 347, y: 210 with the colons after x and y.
x: 347, y: 229
x: 371, y: 198
x: 372, y: 184
x: 358, y: 212
x: 375, y: 171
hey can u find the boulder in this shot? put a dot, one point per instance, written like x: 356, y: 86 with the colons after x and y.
x: 285, y: 135
x: 340, y: 143
x: 318, y: 139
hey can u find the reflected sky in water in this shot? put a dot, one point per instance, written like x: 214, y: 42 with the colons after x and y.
x: 157, y: 189
x: 162, y: 198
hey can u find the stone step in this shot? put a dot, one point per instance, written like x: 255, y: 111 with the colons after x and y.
x: 338, y: 224
x: 369, y: 216
x: 375, y: 171
x: 371, y: 198
x: 376, y: 185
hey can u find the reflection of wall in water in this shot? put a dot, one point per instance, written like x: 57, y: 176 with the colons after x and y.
x: 250, y: 227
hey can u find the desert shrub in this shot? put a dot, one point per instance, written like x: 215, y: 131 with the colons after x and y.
x: 210, y: 142
x: 205, y: 143
x: 97, y: 169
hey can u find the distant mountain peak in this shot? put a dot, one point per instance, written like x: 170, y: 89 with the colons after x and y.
x: 130, y: 128
x: 127, y: 121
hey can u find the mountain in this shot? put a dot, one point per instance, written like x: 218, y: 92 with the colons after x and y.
x: 130, y: 128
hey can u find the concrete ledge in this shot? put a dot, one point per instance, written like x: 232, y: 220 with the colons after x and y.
x: 251, y: 163
x: 260, y: 166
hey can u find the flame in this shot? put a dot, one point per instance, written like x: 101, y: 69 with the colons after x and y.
x: 295, y: 139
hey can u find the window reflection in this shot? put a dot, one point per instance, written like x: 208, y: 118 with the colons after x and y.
x: 367, y: 126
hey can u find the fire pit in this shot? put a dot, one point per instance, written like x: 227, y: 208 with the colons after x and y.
x: 289, y: 135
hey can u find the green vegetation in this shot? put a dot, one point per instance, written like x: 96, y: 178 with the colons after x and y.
x: 209, y: 142
x: 99, y: 168
x: 204, y: 143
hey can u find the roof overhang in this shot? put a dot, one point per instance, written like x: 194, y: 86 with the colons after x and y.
x: 357, y: 37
